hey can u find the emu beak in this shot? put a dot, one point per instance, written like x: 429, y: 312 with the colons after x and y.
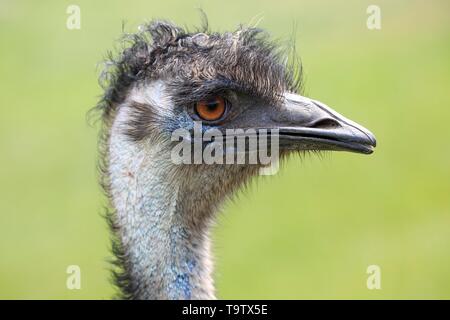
x: 306, y: 124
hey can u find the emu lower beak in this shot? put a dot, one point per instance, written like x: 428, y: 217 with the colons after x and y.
x: 306, y: 124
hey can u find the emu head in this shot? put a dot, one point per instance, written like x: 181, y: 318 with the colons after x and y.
x: 169, y: 79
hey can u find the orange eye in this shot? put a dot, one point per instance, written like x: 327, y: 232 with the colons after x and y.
x: 211, y: 109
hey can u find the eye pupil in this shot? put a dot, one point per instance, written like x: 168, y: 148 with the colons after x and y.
x: 212, y: 105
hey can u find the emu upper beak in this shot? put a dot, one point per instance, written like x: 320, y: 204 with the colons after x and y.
x: 306, y: 124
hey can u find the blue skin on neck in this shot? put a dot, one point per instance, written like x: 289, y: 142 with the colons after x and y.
x: 180, y: 287
x: 184, y: 264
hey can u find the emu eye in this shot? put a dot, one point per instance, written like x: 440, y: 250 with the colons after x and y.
x: 211, y: 109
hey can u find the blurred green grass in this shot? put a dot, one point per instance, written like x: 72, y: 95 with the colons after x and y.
x: 309, y: 232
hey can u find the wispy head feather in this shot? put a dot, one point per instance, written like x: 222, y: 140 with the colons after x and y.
x: 246, y: 57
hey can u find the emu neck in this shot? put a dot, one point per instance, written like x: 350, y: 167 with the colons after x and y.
x: 166, y: 252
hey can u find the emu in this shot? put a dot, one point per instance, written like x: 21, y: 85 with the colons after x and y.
x: 167, y: 78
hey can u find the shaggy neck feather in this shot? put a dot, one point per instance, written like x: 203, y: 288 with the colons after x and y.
x: 168, y: 255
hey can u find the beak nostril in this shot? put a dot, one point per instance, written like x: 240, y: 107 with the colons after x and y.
x: 326, y: 123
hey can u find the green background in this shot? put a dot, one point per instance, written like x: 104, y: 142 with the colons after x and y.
x: 309, y: 232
